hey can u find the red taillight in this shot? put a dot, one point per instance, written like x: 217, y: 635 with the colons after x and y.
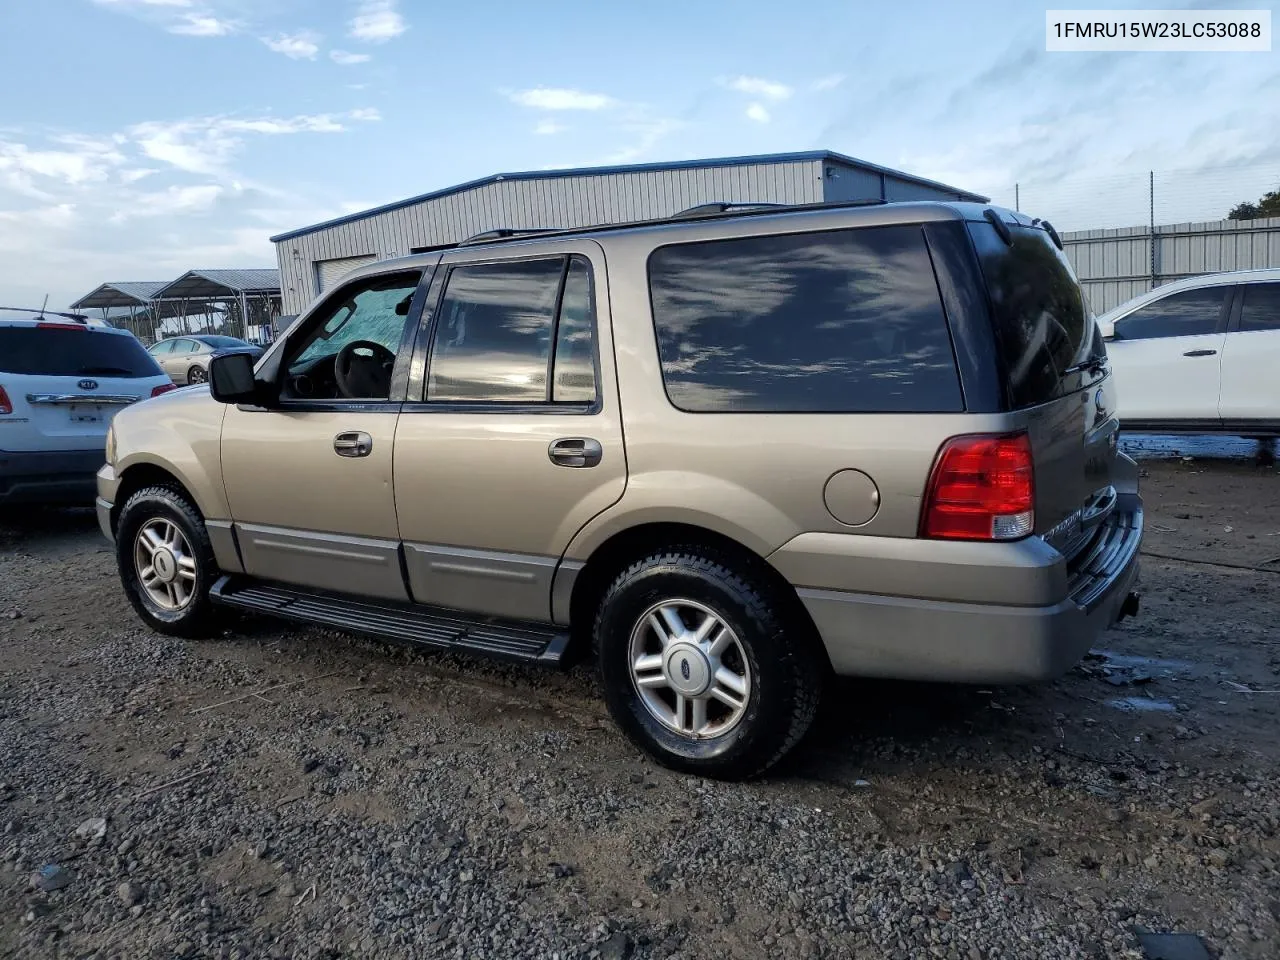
x: 982, y: 488
x: 163, y: 388
x: 55, y: 325
x: 5, y: 405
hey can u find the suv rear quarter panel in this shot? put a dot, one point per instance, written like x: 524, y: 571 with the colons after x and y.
x: 756, y: 477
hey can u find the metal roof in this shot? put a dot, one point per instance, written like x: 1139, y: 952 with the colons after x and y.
x: 214, y: 284
x: 811, y: 155
x: 130, y: 293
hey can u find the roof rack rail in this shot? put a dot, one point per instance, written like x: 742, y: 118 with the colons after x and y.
x: 711, y: 209
x: 506, y: 233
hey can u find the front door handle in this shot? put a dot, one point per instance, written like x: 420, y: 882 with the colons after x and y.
x: 575, y: 452
x: 354, y: 443
x: 1200, y: 353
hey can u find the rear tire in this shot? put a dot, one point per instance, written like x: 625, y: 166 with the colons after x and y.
x: 166, y: 562
x: 197, y: 375
x: 685, y: 625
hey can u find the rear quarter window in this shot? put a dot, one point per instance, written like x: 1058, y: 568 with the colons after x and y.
x: 844, y: 321
x: 1042, y: 324
x: 60, y: 352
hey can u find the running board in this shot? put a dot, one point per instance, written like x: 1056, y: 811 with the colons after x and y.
x: 426, y: 626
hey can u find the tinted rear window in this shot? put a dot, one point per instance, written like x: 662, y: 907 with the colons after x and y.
x: 834, y: 322
x: 1042, y: 325
x: 52, y: 352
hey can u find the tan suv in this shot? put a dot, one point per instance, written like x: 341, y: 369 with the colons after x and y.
x: 732, y: 453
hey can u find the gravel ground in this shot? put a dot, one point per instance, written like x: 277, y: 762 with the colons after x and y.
x: 280, y: 792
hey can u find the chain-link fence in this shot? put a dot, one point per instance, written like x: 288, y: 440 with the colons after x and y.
x: 1128, y: 233
x: 1144, y: 197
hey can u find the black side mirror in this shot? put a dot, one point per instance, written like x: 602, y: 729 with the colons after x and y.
x: 231, y: 379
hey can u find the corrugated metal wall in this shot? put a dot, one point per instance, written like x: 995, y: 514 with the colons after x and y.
x: 568, y: 201
x: 1116, y: 265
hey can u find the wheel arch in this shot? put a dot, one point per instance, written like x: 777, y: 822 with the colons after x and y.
x: 626, y: 546
x: 142, y: 474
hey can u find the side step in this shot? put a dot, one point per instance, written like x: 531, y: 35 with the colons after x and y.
x: 406, y: 623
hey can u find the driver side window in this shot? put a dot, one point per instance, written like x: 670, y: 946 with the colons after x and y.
x: 350, y: 347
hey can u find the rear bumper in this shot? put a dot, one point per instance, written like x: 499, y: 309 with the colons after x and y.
x: 62, y: 476
x: 946, y: 640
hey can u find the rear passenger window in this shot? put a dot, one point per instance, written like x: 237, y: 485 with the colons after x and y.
x: 1186, y: 314
x: 503, y: 326
x: 834, y: 322
x: 1261, y: 308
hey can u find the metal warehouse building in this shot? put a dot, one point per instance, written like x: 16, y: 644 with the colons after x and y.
x: 312, y: 258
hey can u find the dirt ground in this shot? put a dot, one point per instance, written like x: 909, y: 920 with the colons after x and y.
x: 375, y: 801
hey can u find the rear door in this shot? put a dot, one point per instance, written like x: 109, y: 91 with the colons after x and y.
x: 65, y: 382
x: 1251, y: 358
x: 512, y: 437
x: 1167, y: 357
x: 1056, y: 379
x: 176, y: 361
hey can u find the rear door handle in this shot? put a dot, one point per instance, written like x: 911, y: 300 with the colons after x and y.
x: 1200, y: 353
x: 575, y: 452
x: 354, y: 443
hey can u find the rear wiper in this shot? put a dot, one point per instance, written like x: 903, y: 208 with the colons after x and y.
x: 105, y: 371
x: 1092, y: 365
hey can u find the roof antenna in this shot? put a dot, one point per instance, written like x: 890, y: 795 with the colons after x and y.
x: 42, y: 306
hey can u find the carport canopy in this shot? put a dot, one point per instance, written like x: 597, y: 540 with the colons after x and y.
x: 133, y: 293
x: 221, y: 284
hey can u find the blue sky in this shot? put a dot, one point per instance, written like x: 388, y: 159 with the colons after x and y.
x: 139, y: 138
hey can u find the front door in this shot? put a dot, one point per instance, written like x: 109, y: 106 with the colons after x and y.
x: 309, y: 480
x: 515, y: 439
x: 1167, y: 358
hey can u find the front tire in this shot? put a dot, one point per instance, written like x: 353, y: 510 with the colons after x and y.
x: 166, y: 562
x: 197, y: 375
x: 701, y: 669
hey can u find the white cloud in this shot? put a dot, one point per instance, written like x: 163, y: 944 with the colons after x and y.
x: 365, y: 114
x: 303, y: 45
x: 829, y: 82
x: 345, y: 59
x: 86, y: 161
x: 169, y: 202
x: 547, y: 128
x: 759, y: 87
x: 556, y: 98
x: 758, y: 113
x: 205, y: 145
x: 199, y: 25
x: 377, y: 22
x: 648, y: 133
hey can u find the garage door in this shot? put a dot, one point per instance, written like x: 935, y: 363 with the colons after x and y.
x: 329, y: 272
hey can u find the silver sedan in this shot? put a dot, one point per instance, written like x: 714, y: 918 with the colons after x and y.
x: 186, y: 359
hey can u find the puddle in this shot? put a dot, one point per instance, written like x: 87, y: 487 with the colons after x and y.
x: 1149, y: 446
x: 1141, y: 705
x: 1148, y: 664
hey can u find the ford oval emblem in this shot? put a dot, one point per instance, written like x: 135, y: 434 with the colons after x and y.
x: 88, y: 384
x: 684, y: 668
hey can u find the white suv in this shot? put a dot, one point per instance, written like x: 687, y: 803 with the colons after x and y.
x: 61, y: 382
x: 1199, y: 355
